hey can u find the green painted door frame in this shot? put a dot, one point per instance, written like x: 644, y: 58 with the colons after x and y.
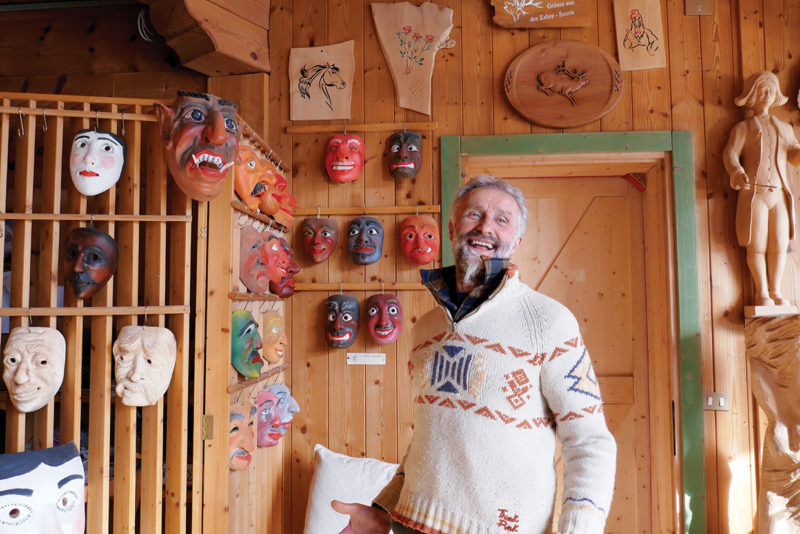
x: 680, y: 146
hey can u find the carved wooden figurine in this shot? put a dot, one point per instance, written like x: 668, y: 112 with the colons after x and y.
x: 755, y: 158
x: 773, y: 350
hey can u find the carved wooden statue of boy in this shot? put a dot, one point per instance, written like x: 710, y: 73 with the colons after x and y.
x: 755, y: 158
x: 773, y: 351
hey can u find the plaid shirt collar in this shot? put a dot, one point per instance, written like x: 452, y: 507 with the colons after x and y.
x: 442, y: 284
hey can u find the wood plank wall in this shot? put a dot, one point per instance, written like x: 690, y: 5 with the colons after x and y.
x: 360, y: 412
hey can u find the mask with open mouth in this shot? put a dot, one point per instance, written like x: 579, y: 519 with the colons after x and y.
x: 405, y: 154
x: 201, y: 137
x: 96, y: 161
x: 341, y: 320
x: 320, y: 236
x: 384, y: 318
x: 344, y: 158
x: 419, y: 238
x: 365, y: 240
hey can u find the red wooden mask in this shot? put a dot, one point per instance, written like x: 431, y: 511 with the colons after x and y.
x: 384, y: 318
x: 320, y: 236
x: 344, y: 158
x: 90, y: 260
x: 419, y: 237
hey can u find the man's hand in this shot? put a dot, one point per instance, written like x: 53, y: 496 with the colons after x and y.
x: 363, y: 519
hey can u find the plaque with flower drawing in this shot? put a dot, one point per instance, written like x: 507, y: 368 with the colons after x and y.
x: 543, y: 13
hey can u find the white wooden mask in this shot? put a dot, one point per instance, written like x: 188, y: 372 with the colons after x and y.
x: 96, y: 161
x: 144, y: 359
x: 33, y: 366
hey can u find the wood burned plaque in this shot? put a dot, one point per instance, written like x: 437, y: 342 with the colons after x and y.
x: 563, y: 84
x: 543, y: 14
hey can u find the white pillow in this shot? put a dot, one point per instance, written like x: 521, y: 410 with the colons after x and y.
x: 344, y: 478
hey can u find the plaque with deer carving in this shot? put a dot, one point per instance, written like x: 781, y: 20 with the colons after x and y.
x: 563, y: 84
x: 543, y: 14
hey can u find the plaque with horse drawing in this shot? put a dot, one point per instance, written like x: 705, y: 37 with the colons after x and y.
x: 321, y: 82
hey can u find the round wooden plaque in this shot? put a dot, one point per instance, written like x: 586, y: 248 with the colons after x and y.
x: 563, y: 84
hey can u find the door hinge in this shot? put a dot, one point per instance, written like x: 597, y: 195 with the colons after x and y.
x: 208, y: 427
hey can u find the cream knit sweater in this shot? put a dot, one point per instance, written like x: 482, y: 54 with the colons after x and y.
x: 492, y: 392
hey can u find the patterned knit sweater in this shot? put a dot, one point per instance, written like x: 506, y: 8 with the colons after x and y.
x: 492, y: 392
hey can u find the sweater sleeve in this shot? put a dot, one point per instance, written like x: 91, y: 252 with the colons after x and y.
x: 587, y: 447
x: 390, y: 494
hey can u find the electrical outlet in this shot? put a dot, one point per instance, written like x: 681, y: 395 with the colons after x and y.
x: 698, y: 7
x: 713, y: 400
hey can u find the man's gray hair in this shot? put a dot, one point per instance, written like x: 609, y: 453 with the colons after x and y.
x: 488, y: 180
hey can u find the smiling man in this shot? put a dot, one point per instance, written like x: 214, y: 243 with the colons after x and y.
x: 499, y: 373
x: 201, y: 137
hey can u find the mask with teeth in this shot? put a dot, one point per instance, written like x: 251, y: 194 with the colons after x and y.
x: 419, y: 237
x: 365, y: 240
x: 341, y: 320
x: 344, y: 158
x: 201, y: 136
x: 384, y: 318
x: 320, y: 236
x: 405, y: 154
x: 96, y: 161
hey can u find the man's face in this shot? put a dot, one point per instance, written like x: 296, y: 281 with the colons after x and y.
x: 384, y: 318
x: 405, y: 154
x: 275, y: 340
x: 419, y: 237
x: 241, y: 435
x: 47, y: 498
x: 245, y: 344
x: 96, y: 161
x: 281, y: 266
x: 269, y: 423
x: 201, y: 139
x: 344, y: 159
x: 320, y: 236
x: 144, y: 359
x: 253, y: 260
x: 484, y: 225
x: 90, y: 260
x: 341, y: 320
x: 365, y: 240
x: 287, y: 406
x: 33, y: 366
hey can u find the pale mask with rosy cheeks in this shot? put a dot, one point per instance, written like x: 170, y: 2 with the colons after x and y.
x: 419, y: 238
x: 33, y: 364
x: 320, y: 236
x: 42, y: 491
x: 269, y: 424
x: 405, y: 154
x: 275, y: 339
x: 241, y: 434
x: 344, y: 158
x: 341, y: 320
x: 144, y: 359
x: 287, y: 405
x: 384, y: 318
x: 201, y: 137
x: 96, y: 161
x: 281, y: 266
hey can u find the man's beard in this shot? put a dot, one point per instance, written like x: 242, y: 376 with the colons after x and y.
x: 470, y: 263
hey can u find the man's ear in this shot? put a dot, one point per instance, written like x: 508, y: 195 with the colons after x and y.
x: 165, y: 116
x: 516, y: 245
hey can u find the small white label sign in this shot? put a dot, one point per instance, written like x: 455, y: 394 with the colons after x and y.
x: 366, y: 358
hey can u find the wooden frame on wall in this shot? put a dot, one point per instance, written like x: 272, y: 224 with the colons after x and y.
x: 678, y: 145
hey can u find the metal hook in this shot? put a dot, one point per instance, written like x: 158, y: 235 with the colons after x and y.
x: 145, y: 315
x: 417, y: 210
x: 365, y: 208
x: 252, y: 136
x: 21, y: 129
x: 91, y: 221
x: 317, y: 211
x: 30, y: 317
x: 279, y: 164
x: 44, y: 121
x: 269, y: 226
x: 96, y: 120
x: 269, y: 154
x: 123, y: 123
x: 383, y: 287
x: 345, y: 129
x: 341, y: 286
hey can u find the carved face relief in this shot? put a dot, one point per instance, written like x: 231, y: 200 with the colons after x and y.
x: 278, y: 201
x: 42, y: 491
x: 201, y: 137
x: 419, y: 238
x: 90, y: 260
x: 269, y: 423
x: 384, y: 318
x: 344, y: 159
x: 320, y: 236
x: 365, y: 240
x: 33, y: 364
x: 281, y: 266
x: 241, y: 434
x: 405, y: 154
x: 287, y: 405
x: 96, y: 161
x: 144, y: 359
x: 253, y: 260
x: 341, y: 320
x: 245, y: 344
x: 275, y: 339
x: 250, y: 181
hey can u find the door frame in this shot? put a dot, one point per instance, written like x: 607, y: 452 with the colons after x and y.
x: 678, y: 145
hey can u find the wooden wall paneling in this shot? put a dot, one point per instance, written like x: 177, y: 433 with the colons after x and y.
x: 619, y: 118
x: 127, y: 276
x: 178, y: 406
x: 651, y: 91
x: 588, y: 34
x: 154, y: 294
x: 49, y: 260
x: 5, y: 120
x: 477, y: 80
x: 100, y: 370
x: 21, y: 256
x: 751, y: 37
x: 506, y: 45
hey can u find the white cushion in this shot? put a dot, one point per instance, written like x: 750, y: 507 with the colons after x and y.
x: 346, y: 479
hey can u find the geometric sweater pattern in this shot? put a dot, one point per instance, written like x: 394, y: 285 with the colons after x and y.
x: 492, y: 394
